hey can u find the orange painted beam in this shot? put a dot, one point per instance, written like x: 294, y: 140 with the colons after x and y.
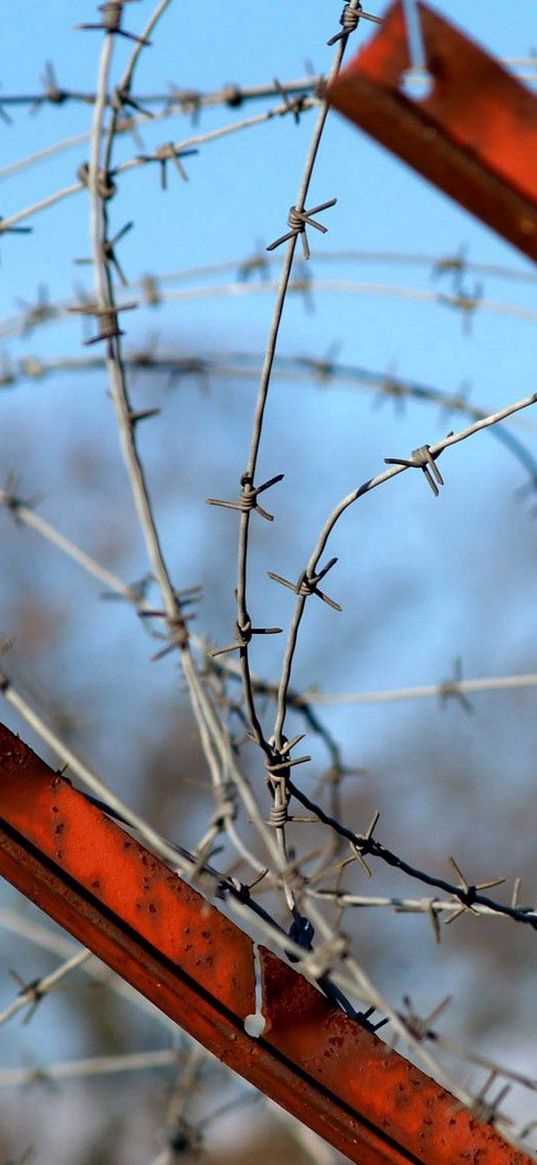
x: 474, y: 135
x: 159, y: 934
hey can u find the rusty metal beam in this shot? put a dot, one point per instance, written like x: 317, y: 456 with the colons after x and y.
x: 160, y: 935
x: 474, y: 135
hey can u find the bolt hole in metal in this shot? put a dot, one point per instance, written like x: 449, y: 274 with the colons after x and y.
x: 416, y: 83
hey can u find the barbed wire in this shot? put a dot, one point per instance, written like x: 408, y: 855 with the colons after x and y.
x: 324, y: 372
x: 30, y: 994
x: 442, y: 691
x: 9, y: 223
x: 305, y: 898
x: 186, y: 101
x: 153, y: 288
x: 305, y: 286
x: 424, y: 459
x: 49, y: 940
x: 466, y: 305
x: 90, y: 1066
x: 191, y: 101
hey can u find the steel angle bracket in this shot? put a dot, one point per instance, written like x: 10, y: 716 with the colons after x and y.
x: 161, y: 936
x: 474, y: 135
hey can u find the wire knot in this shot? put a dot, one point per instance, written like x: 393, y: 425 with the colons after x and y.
x: 249, y: 496
x: 350, y: 17
x: 106, y: 187
x: 278, y: 815
x: 349, y: 21
x: 306, y: 585
x: 232, y: 95
x: 296, y: 219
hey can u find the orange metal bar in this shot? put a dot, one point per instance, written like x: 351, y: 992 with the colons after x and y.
x: 162, y: 937
x: 474, y: 135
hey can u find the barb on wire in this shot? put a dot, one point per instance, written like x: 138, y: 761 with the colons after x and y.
x: 308, y: 584
x: 466, y: 302
x: 168, y: 152
x: 420, y: 1026
x: 7, y: 229
x: 293, y: 105
x: 243, y: 635
x: 52, y: 93
x: 112, y: 12
x: 279, y: 761
x: 487, y: 1111
x: 107, y: 316
x: 468, y: 893
x: 38, y: 313
x: 110, y: 253
x: 257, y: 264
x: 249, y: 499
x: 453, y: 689
x: 31, y: 994
x: 424, y: 460
x: 298, y: 220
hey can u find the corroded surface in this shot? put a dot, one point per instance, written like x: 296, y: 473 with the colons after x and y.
x: 162, y: 937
